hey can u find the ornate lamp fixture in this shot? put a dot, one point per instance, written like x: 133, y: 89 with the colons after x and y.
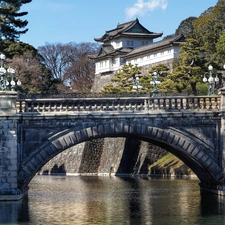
x: 137, y: 85
x: 211, y: 80
x: 7, y: 77
x: 155, y: 82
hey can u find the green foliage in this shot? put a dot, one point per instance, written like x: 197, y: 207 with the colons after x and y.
x: 11, y: 24
x: 162, y: 73
x: 186, y: 27
x: 17, y: 48
x: 124, y: 79
x: 189, y: 67
x: 209, y: 26
x: 220, y: 48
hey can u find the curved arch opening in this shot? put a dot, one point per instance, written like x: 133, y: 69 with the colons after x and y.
x: 193, y: 153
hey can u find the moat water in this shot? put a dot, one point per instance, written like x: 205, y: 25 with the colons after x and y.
x: 62, y: 200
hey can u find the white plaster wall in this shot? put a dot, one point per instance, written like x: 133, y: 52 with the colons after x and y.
x: 130, y: 42
x: 114, y: 64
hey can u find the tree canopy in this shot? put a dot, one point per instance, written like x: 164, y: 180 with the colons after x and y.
x: 186, y: 27
x: 69, y: 63
x: 34, y: 77
x: 11, y: 24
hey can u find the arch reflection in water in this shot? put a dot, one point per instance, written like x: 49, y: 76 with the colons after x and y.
x: 113, y: 200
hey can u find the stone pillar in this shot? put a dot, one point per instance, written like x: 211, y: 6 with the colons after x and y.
x: 220, y: 189
x: 8, y: 147
x: 222, y: 129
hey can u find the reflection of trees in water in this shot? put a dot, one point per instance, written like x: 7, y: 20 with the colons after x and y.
x: 58, y: 169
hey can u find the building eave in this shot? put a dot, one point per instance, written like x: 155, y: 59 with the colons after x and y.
x: 155, y: 46
x: 124, y: 30
x: 120, y: 51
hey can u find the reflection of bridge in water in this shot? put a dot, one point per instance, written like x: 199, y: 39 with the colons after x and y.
x: 37, y: 129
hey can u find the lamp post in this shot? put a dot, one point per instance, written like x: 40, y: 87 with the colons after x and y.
x: 211, y: 80
x: 7, y: 77
x: 155, y: 82
x: 137, y: 85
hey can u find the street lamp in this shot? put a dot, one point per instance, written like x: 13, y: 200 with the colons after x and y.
x: 211, y: 81
x: 155, y: 82
x: 7, y: 77
x: 137, y: 85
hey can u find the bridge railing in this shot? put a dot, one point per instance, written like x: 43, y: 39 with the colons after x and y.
x: 173, y: 103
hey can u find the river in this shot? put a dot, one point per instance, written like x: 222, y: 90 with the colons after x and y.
x: 67, y: 200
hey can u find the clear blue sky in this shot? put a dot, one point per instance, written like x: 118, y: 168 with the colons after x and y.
x: 64, y: 21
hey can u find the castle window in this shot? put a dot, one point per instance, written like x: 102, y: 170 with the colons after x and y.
x: 144, y: 42
x: 115, y: 62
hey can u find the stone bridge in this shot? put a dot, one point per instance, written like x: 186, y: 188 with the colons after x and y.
x: 34, y: 130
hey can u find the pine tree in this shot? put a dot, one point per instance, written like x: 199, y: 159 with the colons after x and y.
x: 209, y: 26
x: 124, y: 79
x: 189, y: 67
x: 10, y: 23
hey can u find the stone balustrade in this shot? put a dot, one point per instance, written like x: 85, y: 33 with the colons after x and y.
x: 173, y: 103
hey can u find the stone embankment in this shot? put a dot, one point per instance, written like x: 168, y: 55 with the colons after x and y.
x: 115, y: 156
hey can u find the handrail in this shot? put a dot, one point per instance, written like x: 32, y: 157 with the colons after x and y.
x: 166, y: 103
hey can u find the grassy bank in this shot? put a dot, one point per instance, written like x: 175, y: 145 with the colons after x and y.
x: 169, y: 165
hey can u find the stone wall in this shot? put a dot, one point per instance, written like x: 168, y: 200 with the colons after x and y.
x: 8, y: 155
x: 8, y: 146
x: 103, y: 79
x: 67, y: 162
x: 100, y: 81
x: 106, y: 156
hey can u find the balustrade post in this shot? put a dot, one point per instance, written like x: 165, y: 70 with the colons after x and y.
x: 222, y: 131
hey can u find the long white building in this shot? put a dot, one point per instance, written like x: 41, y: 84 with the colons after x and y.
x: 132, y: 43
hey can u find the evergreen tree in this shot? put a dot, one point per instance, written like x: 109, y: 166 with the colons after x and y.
x: 124, y: 79
x: 186, y: 27
x: 209, y: 26
x: 10, y: 23
x: 17, y: 48
x: 189, y: 67
x: 220, y: 48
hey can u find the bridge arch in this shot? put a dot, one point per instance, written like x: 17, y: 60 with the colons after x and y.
x: 193, y: 152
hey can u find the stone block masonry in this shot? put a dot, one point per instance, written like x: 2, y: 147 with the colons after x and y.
x: 8, y: 147
x: 8, y: 157
x: 65, y: 163
x: 104, y: 156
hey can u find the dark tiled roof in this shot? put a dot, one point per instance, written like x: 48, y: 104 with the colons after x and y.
x: 108, y: 50
x: 128, y: 29
x: 153, y: 46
